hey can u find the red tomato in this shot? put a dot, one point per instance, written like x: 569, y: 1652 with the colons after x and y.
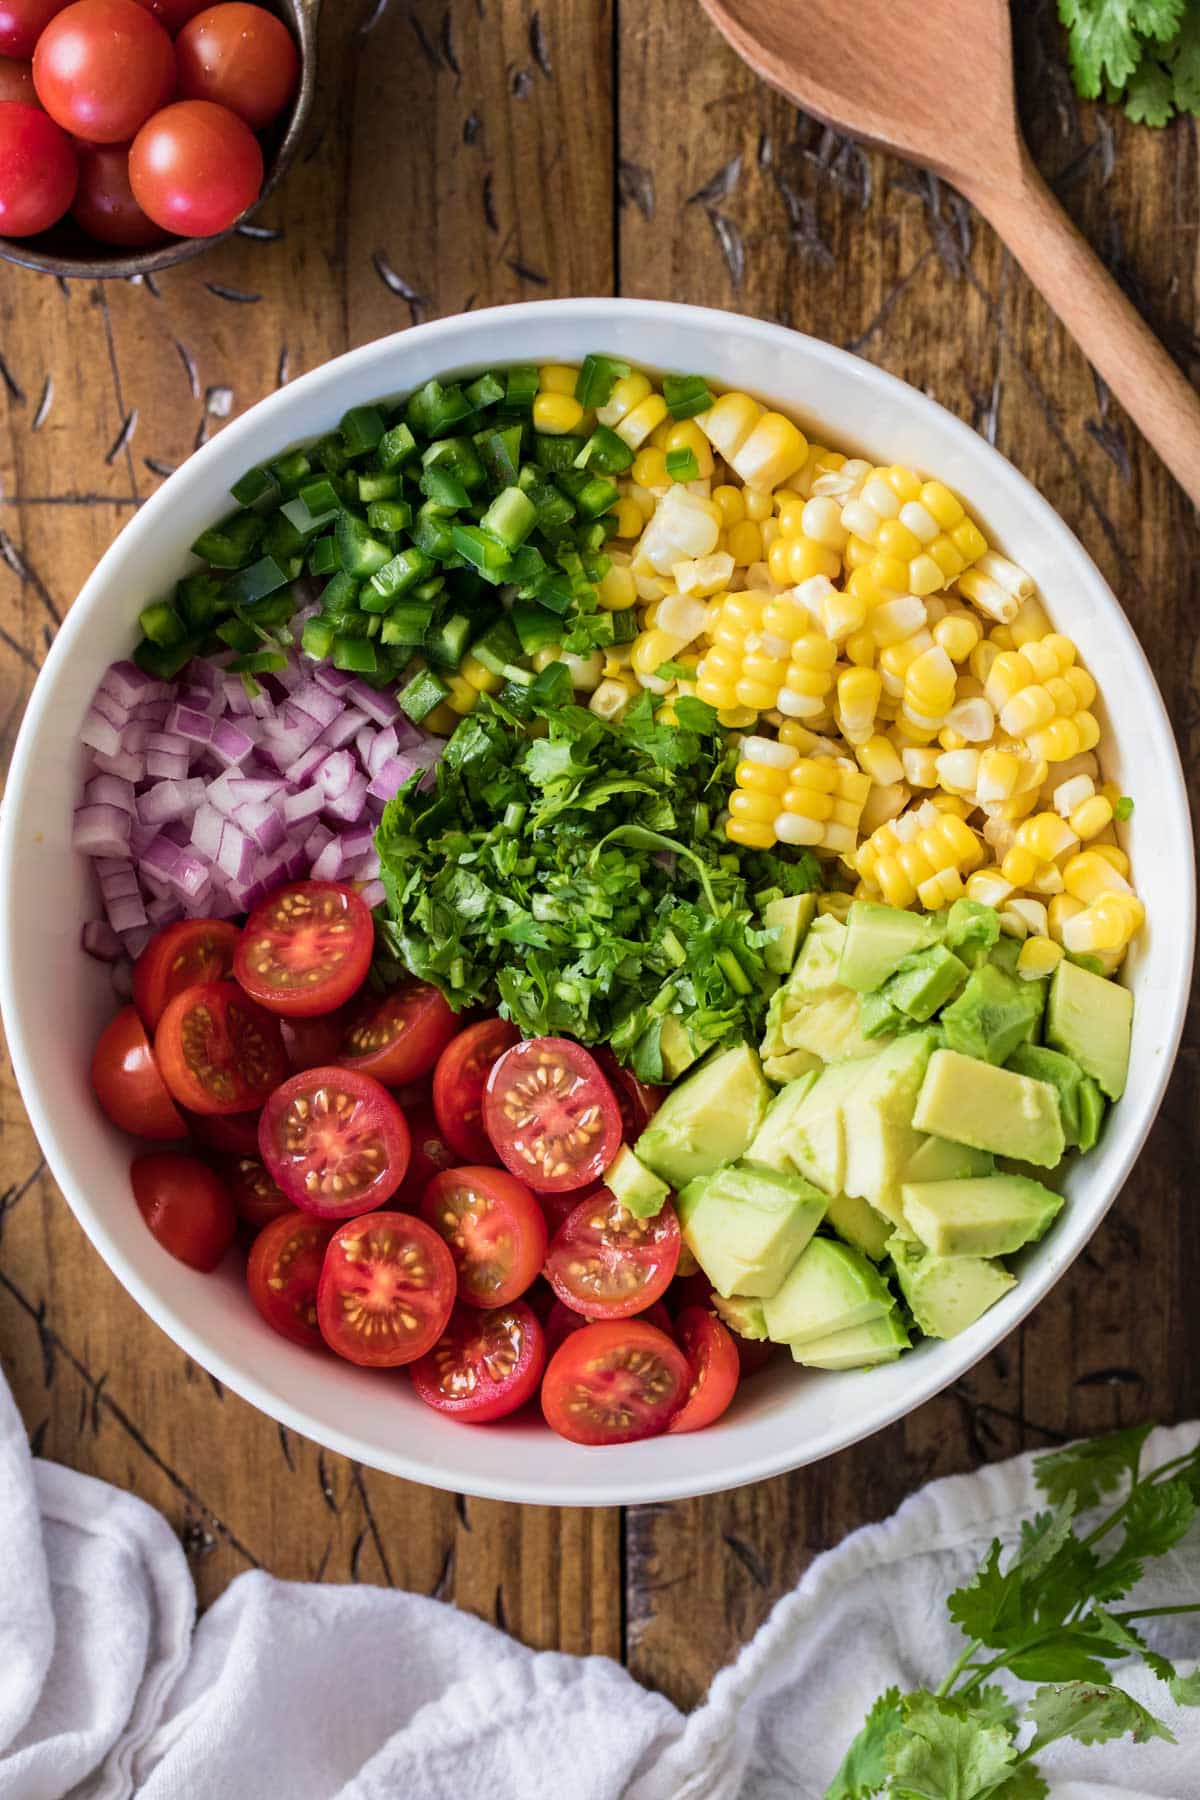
x: 283, y: 1271
x: 173, y: 14
x: 101, y: 67
x: 257, y: 1198
x: 190, y: 952
x: 22, y: 23
x: 430, y: 1155
x: 38, y: 170
x: 16, y: 81
x: 242, y: 57
x: 234, y: 1133
x: 311, y: 1042
x: 688, y: 1290
x: 458, y: 1084
x: 753, y: 1354
x: 559, y: 1207
x: 398, y: 1037
x: 614, y: 1382
x: 194, y: 168
x: 105, y: 208
x: 218, y: 1051
x: 560, y: 1323
x: 386, y: 1290
x: 495, y: 1229
x: 608, y: 1264
x: 186, y: 1206
x: 713, y: 1360
x: 485, y: 1365
x: 638, y: 1100
x: 336, y: 1143
x: 306, y: 949
x: 551, y: 1115
x: 127, y: 1082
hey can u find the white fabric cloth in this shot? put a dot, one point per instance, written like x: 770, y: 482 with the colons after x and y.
x: 109, y: 1686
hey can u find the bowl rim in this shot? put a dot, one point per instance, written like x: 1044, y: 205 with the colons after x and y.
x: 234, y: 443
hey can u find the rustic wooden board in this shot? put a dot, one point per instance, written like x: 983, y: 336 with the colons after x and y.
x: 484, y: 151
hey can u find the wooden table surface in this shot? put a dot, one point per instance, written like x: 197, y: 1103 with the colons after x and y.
x: 484, y: 151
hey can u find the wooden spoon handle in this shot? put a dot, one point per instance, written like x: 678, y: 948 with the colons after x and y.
x: 1108, y: 329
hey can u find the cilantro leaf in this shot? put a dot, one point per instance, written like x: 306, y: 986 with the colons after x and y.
x: 1092, y: 1713
x: 1150, y: 94
x: 1026, y: 1784
x: 864, y: 1768
x: 993, y: 1706
x: 1125, y: 1640
x: 1185, y: 1689
x: 991, y: 1607
x: 1144, y: 52
x: 946, y: 1752
x: 1092, y: 1469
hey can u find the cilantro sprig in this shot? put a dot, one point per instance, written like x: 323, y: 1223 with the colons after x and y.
x: 574, y: 873
x: 1049, y: 1616
x: 1145, y: 53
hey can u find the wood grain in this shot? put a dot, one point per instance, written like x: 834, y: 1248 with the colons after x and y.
x: 475, y: 151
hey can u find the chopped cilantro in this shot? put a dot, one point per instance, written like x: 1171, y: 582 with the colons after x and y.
x: 1144, y: 53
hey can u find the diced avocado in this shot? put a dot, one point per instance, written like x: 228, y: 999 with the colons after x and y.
x: 1091, y: 1112
x: 634, y: 1185
x: 992, y: 1215
x: 877, y: 940
x: 994, y: 1013
x: 708, y: 1119
x: 816, y: 1137
x: 789, y: 917
x: 945, y: 1294
x: 878, y: 1018
x: 973, y: 1102
x: 972, y: 929
x: 746, y: 1227
x: 768, y: 1147
x: 1090, y: 1018
x: 924, y: 981
x: 741, y: 1314
x: 828, y: 1027
x: 789, y: 1066
x: 812, y: 1010
x: 677, y: 1049
x: 1079, y: 1100
x: 829, y: 1287
x: 861, y: 1347
x: 1004, y: 953
x: 877, y: 1120
x: 856, y: 1221
x: 937, y: 1159
x: 816, y: 968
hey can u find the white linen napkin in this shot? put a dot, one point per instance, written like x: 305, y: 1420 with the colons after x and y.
x: 109, y: 1686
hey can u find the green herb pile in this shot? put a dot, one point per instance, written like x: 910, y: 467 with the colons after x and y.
x: 1145, y: 53
x: 1051, y: 1617
x: 580, y: 879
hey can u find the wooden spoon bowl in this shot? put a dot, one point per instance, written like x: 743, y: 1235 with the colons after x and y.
x: 932, y: 81
x: 66, y: 250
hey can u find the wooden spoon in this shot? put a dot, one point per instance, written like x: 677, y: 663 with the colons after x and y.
x: 932, y: 80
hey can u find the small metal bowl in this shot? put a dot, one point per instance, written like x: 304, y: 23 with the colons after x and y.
x: 66, y: 250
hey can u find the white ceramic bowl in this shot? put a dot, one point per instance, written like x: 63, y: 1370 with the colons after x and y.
x: 55, y: 999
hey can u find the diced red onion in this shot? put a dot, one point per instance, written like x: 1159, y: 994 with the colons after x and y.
x: 237, y: 700
x: 328, y: 865
x: 163, y: 909
x: 169, y: 800
x: 222, y: 795
x: 159, y: 858
x: 349, y: 807
x: 178, y: 833
x: 259, y: 820
x: 100, y: 940
x: 166, y: 765
x: 368, y: 869
x: 186, y: 722
x: 153, y: 714
x: 334, y: 774
x: 206, y: 831
x: 110, y: 708
x: 134, y: 942
x: 110, y: 790
x: 373, y: 894
x: 119, y: 881
x: 101, y: 831
x: 344, y: 729
x: 316, y: 702
x: 131, y: 685
x: 357, y: 842
x: 125, y: 764
x: 230, y: 744
x: 336, y: 680
x: 298, y: 772
x: 374, y: 702
x: 100, y: 734
x: 386, y: 745
x: 126, y: 913
x: 305, y: 804
x: 191, y: 878
x: 315, y: 842
x: 235, y: 854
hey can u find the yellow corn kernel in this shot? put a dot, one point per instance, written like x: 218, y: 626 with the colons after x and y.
x: 735, y: 718
x: 626, y: 393
x: 462, y: 698
x: 759, y: 503
x: 922, y: 855
x: 1061, y: 908
x: 729, y: 499
x: 558, y: 378
x: 616, y: 590
x: 703, y: 576
x: 1019, y: 866
x: 640, y: 421
x: 957, y: 634
x: 879, y: 759
x: 556, y: 414
x: 858, y: 695
x: 650, y: 468
x: 798, y: 737
x: 1112, y: 853
x: 1087, y: 875
x: 929, y: 686
x: 442, y: 719
x: 750, y: 834
x: 654, y: 648
x: 1047, y: 837
x: 618, y: 660
x: 860, y: 648
x: 1090, y: 816
x: 472, y: 670
x: 1107, y: 924
x: 761, y: 447
x: 989, y: 887
x: 685, y: 434
x: 745, y: 543
x: 611, y: 696
x: 758, y: 809
x: 627, y: 515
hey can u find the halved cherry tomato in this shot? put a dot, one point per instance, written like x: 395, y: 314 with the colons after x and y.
x: 186, y: 1205
x: 495, y: 1229
x: 430, y: 1155
x: 551, y: 1116
x: 256, y: 1196
x: 236, y: 1134
x: 688, y: 1290
x: 306, y: 949
x: 101, y: 67
x: 638, y: 1100
x: 183, y: 955
x: 310, y: 1043
x: 559, y: 1207
x: 608, y: 1264
x: 398, y: 1037
x: 485, y: 1365
x: 242, y: 57
x: 218, y: 1051
x: 713, y: 1360
x: 336, y: 1142
x: 285, y: 1265
x: 127, y: 1082
x: 614, y: 1382
x: 560, y: 1323
x: 386, y: 1290
x: 458, y: 1084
